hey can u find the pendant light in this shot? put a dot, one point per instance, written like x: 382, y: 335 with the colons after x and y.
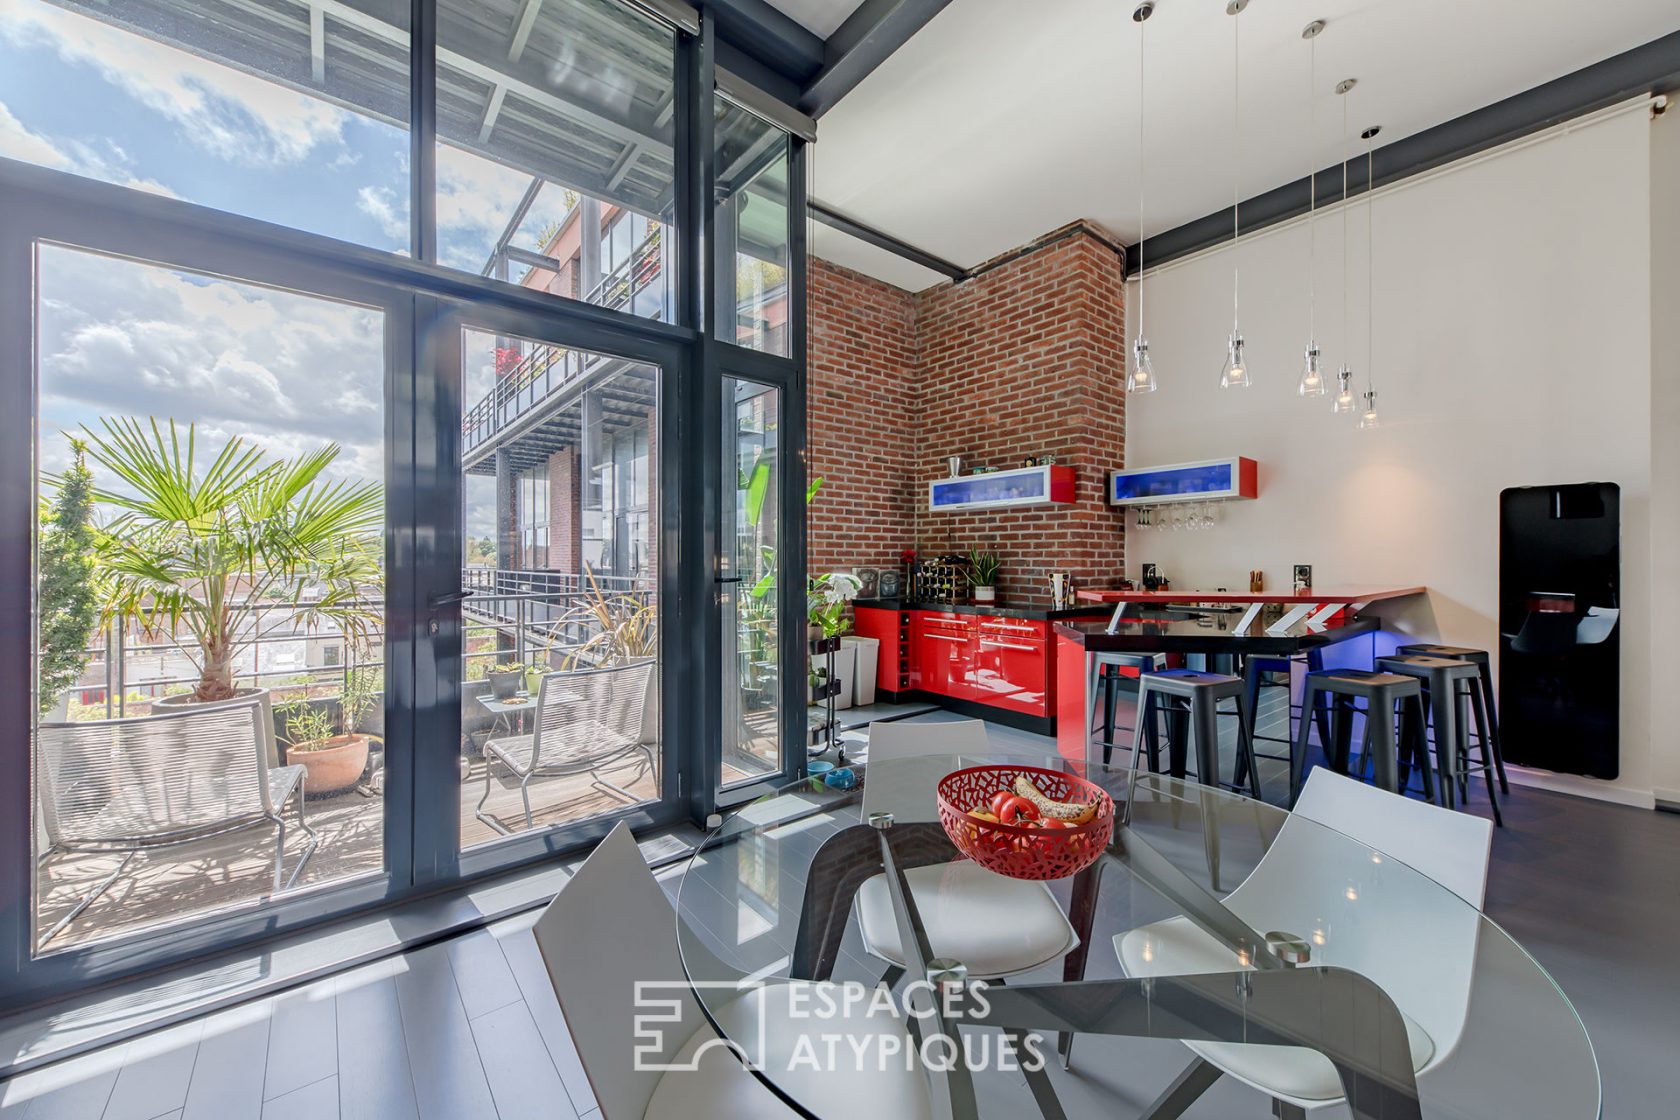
x: 1368, y: 418
x: 1141, y: 379
x: 1312, y: 377
x: 1344, y: 377
x: 1235, y: 373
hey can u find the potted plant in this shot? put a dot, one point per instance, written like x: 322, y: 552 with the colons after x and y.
x: 982, y: 574
x: 322, y: 736
x: 826, y: 600
x: 506, y: 679
x: 212, y: 557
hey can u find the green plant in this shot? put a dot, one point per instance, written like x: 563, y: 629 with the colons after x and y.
x: 212, y: 552
x: 826, y: 600
x: 68, y: 606
x: 983, y: 564
x: 364, y: 689
x: 622, y: 627
x: 307, y: 725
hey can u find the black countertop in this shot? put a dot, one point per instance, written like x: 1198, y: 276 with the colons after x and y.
x: 1020, y: 606
x: 1163, y: 632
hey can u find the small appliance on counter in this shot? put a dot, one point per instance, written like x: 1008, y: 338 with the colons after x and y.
x: 1303, y: 579
x: 1061, y: 590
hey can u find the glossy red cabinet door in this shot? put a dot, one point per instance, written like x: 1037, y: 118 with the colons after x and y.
x: 1013, y: 659
x: 945, y: 654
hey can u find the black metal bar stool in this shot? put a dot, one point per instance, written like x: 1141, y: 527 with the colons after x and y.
x: 1449, y: 686
x: 1386, y: 696
x: 1484, y: 665
x: 1190, y: 700
x: 1255, y: 670
x: 1106, y: 677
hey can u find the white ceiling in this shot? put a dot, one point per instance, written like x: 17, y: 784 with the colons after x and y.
x: 820, y: 17
x: 1002, y: 120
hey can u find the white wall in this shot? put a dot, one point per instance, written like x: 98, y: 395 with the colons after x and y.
x: 1512, y: 346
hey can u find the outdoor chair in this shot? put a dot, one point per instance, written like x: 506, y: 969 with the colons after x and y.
x: 133, y: 785
x: 585, y: 719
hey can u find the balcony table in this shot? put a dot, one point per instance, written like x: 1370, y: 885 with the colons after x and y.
x: 766, y: 900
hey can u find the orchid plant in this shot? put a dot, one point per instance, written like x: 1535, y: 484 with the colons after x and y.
x: 826, y: 598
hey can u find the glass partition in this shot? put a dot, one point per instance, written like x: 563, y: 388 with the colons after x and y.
x: 752, y: 230
x: 209, y: 647
x: 554, y: 160
x: 293, y: 113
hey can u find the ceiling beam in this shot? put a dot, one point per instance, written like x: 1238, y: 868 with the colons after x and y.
x: 868, y: 38
x: 762, y: 32
x: 1651, y: 68
x: 317, y: 44
x: 832, y: 218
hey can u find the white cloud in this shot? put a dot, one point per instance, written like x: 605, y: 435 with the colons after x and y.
x: 286, y: 371
x: 385, y: 207
x: 18, y: 142
x: 234, y: 115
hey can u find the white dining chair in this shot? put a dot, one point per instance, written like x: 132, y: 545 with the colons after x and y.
x: 1392, y: 924
x: 994, y: 925
x: 610, y: 927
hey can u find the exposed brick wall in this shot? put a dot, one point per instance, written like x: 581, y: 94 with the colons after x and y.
x: 564, y: 510
x: 860, y: 436
x: 1026, y: 358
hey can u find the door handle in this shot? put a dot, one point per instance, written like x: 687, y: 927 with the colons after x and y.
x: 448, y: 599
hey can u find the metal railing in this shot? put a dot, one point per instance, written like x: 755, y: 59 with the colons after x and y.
x: 529, y: 613
x: 640, y: 286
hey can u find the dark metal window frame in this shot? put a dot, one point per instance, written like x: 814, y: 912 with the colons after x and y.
x: 425, y: 304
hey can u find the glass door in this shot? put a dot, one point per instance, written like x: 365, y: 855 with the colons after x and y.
x: 751, y: 582
x: 555, y: 671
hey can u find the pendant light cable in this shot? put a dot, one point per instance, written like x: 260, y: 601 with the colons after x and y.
x: 1142, y: 18
x: 1370, y: 265
x: 1236, y: 173
x: 1312, y: 188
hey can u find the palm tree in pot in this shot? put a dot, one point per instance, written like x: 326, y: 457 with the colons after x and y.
x: 214, y: 557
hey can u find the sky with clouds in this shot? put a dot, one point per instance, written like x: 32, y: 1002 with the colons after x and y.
x: 284, y: 370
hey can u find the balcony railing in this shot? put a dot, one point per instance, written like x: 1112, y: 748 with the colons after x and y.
x: 529, y: 614
x: 640, y: 286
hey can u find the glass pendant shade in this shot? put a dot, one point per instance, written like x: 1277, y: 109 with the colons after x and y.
x: 1141, y: 379
x: 1235, y: 373
x: 1344, y: 390
x: 1368, y: 419
x: 1312, y: 378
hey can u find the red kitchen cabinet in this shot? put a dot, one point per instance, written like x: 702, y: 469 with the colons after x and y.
x: 1013, y: 664
x: 891, y: 630
x: 944, y: 657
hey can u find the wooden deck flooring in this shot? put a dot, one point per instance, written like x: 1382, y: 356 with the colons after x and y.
x: 238, y: 869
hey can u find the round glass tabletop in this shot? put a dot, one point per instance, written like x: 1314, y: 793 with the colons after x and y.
x: 860, y: 965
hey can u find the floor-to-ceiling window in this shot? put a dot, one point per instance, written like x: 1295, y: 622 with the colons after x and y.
x: 348, y: 575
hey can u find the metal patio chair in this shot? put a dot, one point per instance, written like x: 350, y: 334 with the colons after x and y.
x: 585, y: 719
x: 138, y: 784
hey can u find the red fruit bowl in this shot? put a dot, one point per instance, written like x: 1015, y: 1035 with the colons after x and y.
x: 1024, y: 851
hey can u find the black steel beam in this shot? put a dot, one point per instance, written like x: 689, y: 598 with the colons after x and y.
x: 1651, y: 68
x: 759, y: 31
x: 832, y: 218
x: 868, y: 38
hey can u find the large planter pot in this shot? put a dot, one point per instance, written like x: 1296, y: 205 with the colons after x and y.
x: 868, y: 654
x: 335, y: 766
x: 505, y: 685
x: 185, y: 700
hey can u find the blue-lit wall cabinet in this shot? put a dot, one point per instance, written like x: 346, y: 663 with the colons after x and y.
x: 1208, y: 480
x: 1029, y: 486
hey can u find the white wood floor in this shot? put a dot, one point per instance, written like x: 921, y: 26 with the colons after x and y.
x: 467, y: 1029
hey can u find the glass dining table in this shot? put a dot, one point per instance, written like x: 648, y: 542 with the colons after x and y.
x: 1215, y: 934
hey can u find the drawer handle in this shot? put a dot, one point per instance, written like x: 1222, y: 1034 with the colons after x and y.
x: 1007, y: 645
x: 945, y: 638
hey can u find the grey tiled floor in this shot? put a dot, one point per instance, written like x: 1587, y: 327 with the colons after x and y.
x: 468, y: 1029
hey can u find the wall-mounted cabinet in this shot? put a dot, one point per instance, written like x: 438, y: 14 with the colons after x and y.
x: 1208, y: 480
x: 1029, y: 486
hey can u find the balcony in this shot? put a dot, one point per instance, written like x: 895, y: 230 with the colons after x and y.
x: 541, y: 617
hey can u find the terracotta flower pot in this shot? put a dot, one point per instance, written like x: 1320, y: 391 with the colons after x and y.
x: 334, y: 765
